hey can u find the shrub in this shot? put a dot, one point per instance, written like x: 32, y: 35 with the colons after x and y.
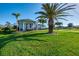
x: 13, y: 30
x: 6, y: 30
x: 1, y: 30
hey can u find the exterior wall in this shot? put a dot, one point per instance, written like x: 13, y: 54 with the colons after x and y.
x: 28, y: 26
x: 33, y: 26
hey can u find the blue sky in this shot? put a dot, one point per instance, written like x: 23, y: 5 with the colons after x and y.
x: 28, y: 10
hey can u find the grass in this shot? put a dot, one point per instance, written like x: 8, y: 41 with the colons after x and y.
x: 39, y: 43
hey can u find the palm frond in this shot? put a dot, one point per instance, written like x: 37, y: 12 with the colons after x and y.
x: 42, y: 20
x: 16, y: 14
x: 69, y: 7
x: 41, y: 12
x: 62, y: 5
x: 13, y: 14
x: 63, y: 15
x: 54, y: 5
x: 46, y: 6
x: 42, y: 16
x: 56, y: 19
x: 62, y: 18
x: 56, y: 10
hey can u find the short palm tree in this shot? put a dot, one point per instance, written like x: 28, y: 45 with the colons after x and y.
x: 16, y: 15
x: 58, y: 24
x: 55, y: 11
x: 41, y: 20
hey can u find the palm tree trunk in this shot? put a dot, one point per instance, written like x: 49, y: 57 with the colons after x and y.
x: 17, y: 24
x: 42, y: 25
x: 50, y: 25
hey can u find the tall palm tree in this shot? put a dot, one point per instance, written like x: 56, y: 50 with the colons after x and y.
x: 55, y: 11
x: 42, y: 20
x: 16, y: 15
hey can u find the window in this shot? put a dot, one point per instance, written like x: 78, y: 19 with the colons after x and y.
x: 30, y: 25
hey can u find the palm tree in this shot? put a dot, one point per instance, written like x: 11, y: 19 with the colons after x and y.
x: 16, y: 15
x: 42, y: 20
x: 58, y: 24
x: 55, y: 11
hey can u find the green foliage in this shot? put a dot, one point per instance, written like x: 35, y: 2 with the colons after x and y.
x: 14, y: 27
x: 58, y: 23
x: 42, y: 21
x: 1, y: 30
x: 6, y: 30
x: 16, y: 15
x: 55, y: 10
x: 70, y: 25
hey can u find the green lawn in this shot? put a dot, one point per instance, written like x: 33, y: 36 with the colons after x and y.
x: 39, y: 43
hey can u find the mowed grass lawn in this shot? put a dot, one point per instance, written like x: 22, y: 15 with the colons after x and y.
x: 39, y: 43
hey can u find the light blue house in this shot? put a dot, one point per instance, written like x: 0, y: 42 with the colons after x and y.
x: 28, y: 24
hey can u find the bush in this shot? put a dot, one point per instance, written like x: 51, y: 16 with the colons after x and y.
x: 14, y: 27
x: 6, y: 30
x: 1, y: 30
x: 13, y: 30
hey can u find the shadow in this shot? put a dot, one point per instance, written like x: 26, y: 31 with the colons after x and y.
x: 25, y: 37
x: 31, y: 35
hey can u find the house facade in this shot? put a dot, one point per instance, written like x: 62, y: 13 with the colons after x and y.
x: 26, y: 24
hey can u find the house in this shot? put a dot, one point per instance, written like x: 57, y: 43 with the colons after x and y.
x: 26, y: 24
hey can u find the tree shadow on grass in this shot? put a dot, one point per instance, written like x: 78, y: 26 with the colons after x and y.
x: 13, y: 37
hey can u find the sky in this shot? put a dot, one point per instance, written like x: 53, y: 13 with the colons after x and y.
x: 27, y: 11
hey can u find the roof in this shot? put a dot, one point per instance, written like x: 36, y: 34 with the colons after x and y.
x: 26, y: 20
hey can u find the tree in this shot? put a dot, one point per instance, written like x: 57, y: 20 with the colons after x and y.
x: 1, y: 26
x: 70, y: 25
x: 8, y: 24
x: 58, y: 24
x: 55, y: 11
x: 14, y: 27
x: 42, y: 20
x: 16, y: 15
